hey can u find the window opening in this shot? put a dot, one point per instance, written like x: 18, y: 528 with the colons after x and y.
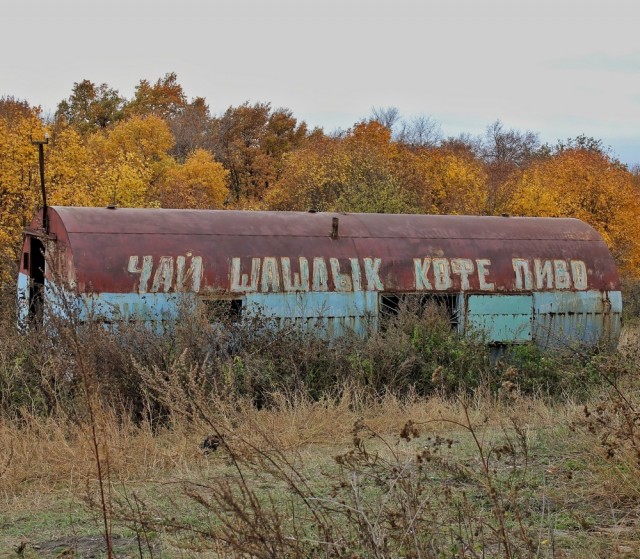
x: 222, y: 310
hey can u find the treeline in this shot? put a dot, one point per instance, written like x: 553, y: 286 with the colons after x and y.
x: 160, y: 149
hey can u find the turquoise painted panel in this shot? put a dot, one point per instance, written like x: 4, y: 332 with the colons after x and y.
x: 502, y: 318
x: 326, y: 313
x: 23, y: 299
x: 323, y: 304
x: 147, y: 307
x: 569, y: 318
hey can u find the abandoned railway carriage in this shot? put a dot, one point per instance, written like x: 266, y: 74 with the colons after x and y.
x: 517, y: 279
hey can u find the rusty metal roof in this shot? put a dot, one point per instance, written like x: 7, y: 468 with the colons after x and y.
x: 318, y: 224
x: 99, y: 244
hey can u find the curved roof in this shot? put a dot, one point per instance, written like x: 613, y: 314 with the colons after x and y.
x: 103, y: 245
x: 316, y: 224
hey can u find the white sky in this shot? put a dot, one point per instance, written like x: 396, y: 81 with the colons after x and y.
x: 560, y: 68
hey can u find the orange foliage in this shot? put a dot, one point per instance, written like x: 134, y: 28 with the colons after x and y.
x: 444, y: 182
x: 355, y: 173
x: 587, y: 185
x: 164, y: 99
x: 105, y: 150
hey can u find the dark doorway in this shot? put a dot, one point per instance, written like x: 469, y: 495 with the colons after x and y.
x: 36, y: 280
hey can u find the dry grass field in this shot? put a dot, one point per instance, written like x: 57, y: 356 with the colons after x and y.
x: 507, y: 467
x: 471, y: 468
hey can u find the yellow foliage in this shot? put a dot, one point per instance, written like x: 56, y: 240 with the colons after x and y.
x: 124, y: 181
x: 198, y: 183
x: 128, y: 159
x: 355, y: 173
x: 148, y: 138
x: 19, y: 183
x: 69, y: 171
x: 443, y: 182
x: 587, y: 185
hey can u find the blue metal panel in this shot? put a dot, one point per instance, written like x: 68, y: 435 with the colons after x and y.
x: 584, y: 317
x: 329, y: 314
x: 23, y: 298
x: 147, y: 307
x: 502, y: 318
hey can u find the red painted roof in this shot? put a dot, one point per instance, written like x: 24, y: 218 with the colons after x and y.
x: 100, y: 242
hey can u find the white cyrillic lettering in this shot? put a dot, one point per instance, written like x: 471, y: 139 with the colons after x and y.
x: 270, y: 275
x: 420, y: 268
x: 240, y: 282
x: 562, y: 277
x: 300, y: 280
x: 543, y: 273
x: 371, y: 272
x: 144, y: 271
x: 163, y: 277
x: 342, y: 282
x: 462, y: 267
x: 524, y: 279
x: 355, y: 274
x: 482, y: 264
x: 579, y: 274
x: 320, y: 275
x: 194, y: 273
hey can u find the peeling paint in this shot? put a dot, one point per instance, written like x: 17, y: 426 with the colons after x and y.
x: 517, y: 279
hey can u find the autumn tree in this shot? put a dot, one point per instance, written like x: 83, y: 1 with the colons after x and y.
x: 91, y: 107
x: 164, y: 99
x: 12, y: 109
x: 505, y: 153
x: 588, y: 185
x: 355, y: 172
x: 199, y: 183
x: 128, y: 159
x: 19, y: 181
x: 464, y: 145
x: 69, y: 169
x: 191, y: 128
x: 444, y: 182
x: 250, y: 140
x: 582, y: 143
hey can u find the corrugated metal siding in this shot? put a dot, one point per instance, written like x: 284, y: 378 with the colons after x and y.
x: 502, y: 318
x: 589, y: 317
x: 329, y: 314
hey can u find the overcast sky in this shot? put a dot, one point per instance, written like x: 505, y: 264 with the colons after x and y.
x: 560, y: 68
